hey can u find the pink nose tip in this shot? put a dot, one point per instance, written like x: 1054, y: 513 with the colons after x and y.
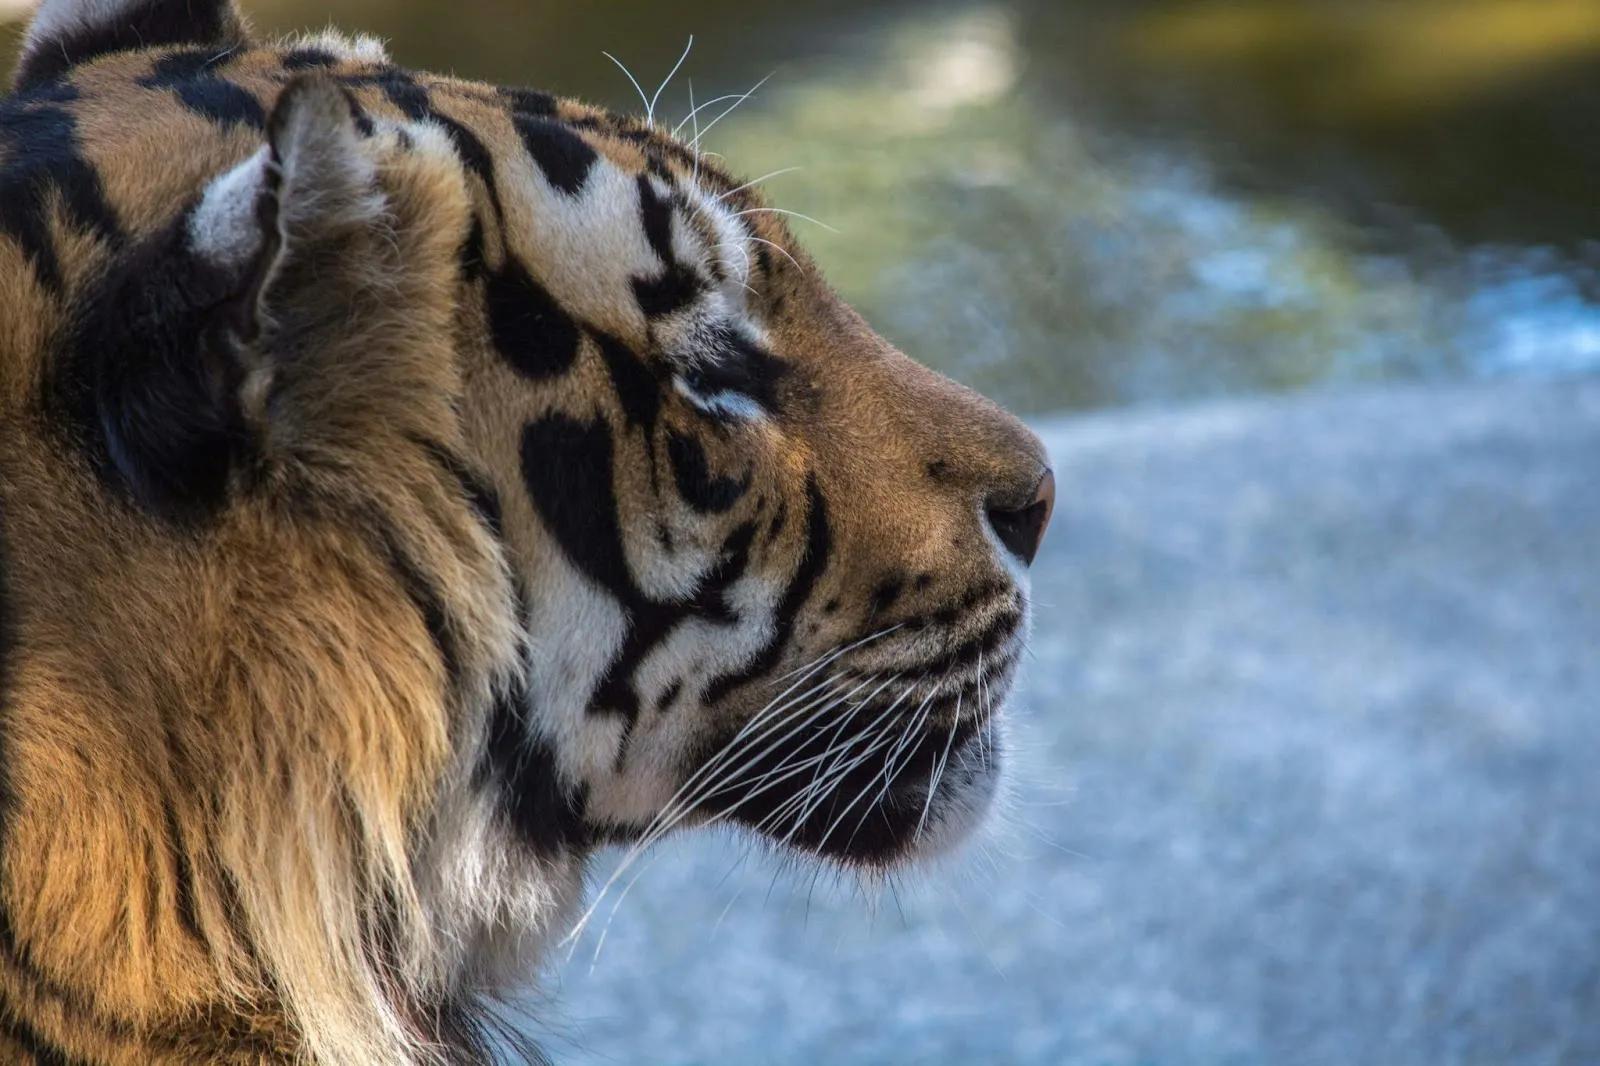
x: 1021, y: 529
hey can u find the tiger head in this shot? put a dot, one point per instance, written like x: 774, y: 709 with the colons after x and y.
x: 689, y: 541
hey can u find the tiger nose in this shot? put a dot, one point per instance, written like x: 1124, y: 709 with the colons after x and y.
x: 1021, y: 529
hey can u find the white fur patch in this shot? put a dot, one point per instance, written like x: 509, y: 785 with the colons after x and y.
x: 735, y: 405
x: 56, y: 19
x: 224, y: 227
x: 354, y: 49
x: 577, y: 631
x: 589, y: 246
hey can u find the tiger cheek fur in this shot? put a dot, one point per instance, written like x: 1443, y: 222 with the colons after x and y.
x: 408, y: 486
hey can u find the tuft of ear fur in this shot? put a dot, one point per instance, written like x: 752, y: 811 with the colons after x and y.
x: 65, y: 33
x: 169, y: 373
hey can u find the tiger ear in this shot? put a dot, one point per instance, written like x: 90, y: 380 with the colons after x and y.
x: 173, y: 360
x: 312, y: 185
x: 65, y: 33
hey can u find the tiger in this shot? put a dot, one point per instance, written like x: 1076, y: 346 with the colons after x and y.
x: 412, y: 488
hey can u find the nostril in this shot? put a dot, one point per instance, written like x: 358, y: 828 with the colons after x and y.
x: 1021, y: 529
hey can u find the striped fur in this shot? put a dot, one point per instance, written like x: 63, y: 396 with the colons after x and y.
x: 407, y: 487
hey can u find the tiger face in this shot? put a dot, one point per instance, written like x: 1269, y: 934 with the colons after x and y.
x: 409, y: 486
x: 781, y: 566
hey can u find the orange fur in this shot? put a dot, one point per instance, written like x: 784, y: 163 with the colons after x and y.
x: 239, y: 773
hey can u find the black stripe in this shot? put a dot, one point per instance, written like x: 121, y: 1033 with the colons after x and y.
x: 655, y: 213
x: 669, y: 695
x: 43, y: 1052
x: 651, y: 623
x: 238, y: 919
x: 309, y: 59
x: 568, y: 467
x: 563, y: 157
x: 479, y: 494
x: 674, y: 290
x: 17, y: 955
x: 653, y: 143
x: 950, y: 614
x: 700, y: 489
x: 529, y: 101
x: 474, y: 155
x: 415, y: 101
x: 677, y: 286
x: 400, y: 88
x: 969, y: 652
x: 729, y: 362
x: 192, y: 75
x: 887, y: 594
x: 638, y: 388
x: 152, y: 24
x: 41, y: 152
x: 819, y: 541
x: 530, y: 329
x: 548, y: 815
x: 425, y: 597
x: 474, y: 265
x: 779, y: 520
x: 183, y: 875
x: 148, y: 388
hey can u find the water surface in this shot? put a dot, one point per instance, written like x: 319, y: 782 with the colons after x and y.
x: 1087, y: 204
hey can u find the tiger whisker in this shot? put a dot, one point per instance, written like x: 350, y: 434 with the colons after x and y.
x: 845, y: 811
x: 650, y: 108
x: 757, y: 181
x: 721, y: 816
x: 842, y: 651
x: 777, y: 775
x: 827, y: 764
x: 717, y: 925
x: 714, y: 783
x: 711, y: 777
x: 937, y: 774
x: 756, y: 738
x: 747, y: 94
x: 780, y: 248
x: 871, y: 729
x: 694, y: 111
x: 663, y: 823
x: 892, y: 764
x: 694, y: 178
x: 677, y: 810
x: 786, y: 770
x: 831, y: 741
x: 985, y: 704
x: 773, y: 706
x: 816, y: 789
x: 785, y: 211
x: 643, y: 99
x: 880, y: 739
x: 835, y: 757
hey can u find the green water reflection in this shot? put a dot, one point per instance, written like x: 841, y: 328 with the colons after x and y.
x: 1082, y: 204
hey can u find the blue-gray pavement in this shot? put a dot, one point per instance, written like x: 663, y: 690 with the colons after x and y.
x: 1308, y: 772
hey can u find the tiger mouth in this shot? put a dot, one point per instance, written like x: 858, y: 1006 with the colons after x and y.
x: 875, y: 763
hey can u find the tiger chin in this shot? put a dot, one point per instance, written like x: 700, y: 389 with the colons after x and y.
x: 409, y: 487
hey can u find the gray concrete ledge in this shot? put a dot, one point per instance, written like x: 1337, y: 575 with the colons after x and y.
x: 1310, y: 774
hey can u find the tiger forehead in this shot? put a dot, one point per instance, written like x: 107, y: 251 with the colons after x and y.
x: 224, y: 96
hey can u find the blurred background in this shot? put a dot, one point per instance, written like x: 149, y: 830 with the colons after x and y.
x: 1305, y: 297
